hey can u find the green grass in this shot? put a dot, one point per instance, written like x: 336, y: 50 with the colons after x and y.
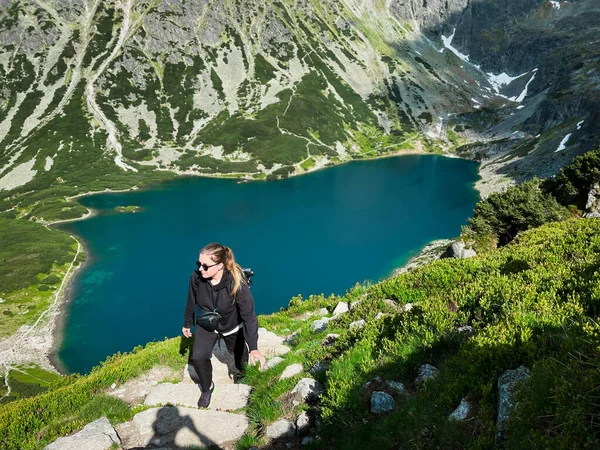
x: 30, y: 249
x: 28, y: 381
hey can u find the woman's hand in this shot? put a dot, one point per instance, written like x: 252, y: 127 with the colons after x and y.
x: 255, y: 355
x: 186, y: 332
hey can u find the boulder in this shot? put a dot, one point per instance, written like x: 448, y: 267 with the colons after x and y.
x: 357, y: 324
x: 97, y: 435
x: 281, y: 428
x: 320, y: 325
x: 407, y: 307
x: 592, y: 206
x: 462, y: 411
x: 308, y: 389
x: 379, y: 316
x: 458, y: 250
x: 175, y: 426
x: 341, y: 308
x: 508, y: 382
x: 426, y: 372
x: 291, y: 371
x: 381, y: 402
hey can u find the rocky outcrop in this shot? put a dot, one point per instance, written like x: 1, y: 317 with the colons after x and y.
x: 458, y: 250
x: 592, y: 207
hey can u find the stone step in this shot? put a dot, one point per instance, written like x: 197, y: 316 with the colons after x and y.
x: 180, y: 427
x: 97, y: 435
x: 225, y: 397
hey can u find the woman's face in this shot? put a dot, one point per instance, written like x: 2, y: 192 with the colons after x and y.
x: 208, y: 267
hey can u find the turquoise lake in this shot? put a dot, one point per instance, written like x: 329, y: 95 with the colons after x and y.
x: 317, y: 233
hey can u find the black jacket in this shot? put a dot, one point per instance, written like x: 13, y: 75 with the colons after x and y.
x: 201, y: 293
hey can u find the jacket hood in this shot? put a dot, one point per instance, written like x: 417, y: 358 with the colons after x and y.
x: 226, y: 280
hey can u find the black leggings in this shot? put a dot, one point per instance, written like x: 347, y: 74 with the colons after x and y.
x: 204, y: 341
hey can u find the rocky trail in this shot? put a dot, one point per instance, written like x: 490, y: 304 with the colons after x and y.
x: 172, y: 419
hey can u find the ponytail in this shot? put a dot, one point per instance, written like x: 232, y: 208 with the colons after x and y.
x: 236, y: 271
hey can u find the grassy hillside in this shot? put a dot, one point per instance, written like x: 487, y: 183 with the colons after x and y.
x: 534, y: 302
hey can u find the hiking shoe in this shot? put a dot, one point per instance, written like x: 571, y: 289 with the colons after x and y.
x: 204, y: 400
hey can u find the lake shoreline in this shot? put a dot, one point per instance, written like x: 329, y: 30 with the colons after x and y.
x: 60, y: 316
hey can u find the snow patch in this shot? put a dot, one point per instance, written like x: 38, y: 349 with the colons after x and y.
x: 497, y: 81
x: 448, y: 45
x: 521, y: 97
x: 555, y: 5
x: 20, y: 175
x: 563, y: 143
x: 579, y: 124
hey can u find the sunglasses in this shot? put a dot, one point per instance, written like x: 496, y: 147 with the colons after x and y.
x: 204, y: 266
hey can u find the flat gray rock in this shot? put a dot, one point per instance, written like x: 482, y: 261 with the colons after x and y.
x: 225, y: 397
x: 270, y: 344
x: 291, y: 371
x: 281, y: 428
x: 273, y: 362
x: 134, y: 391
x: 176, y: 426
x: 97, y: 435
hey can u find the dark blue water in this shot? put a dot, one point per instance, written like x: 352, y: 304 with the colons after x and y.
x: 318, y: 233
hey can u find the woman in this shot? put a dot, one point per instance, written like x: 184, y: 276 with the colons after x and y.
x: 219, y: 281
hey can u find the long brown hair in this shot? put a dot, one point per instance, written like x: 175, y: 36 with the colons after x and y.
x: 221, y: 254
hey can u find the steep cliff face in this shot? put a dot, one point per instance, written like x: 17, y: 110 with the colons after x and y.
x: 91, y: 89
